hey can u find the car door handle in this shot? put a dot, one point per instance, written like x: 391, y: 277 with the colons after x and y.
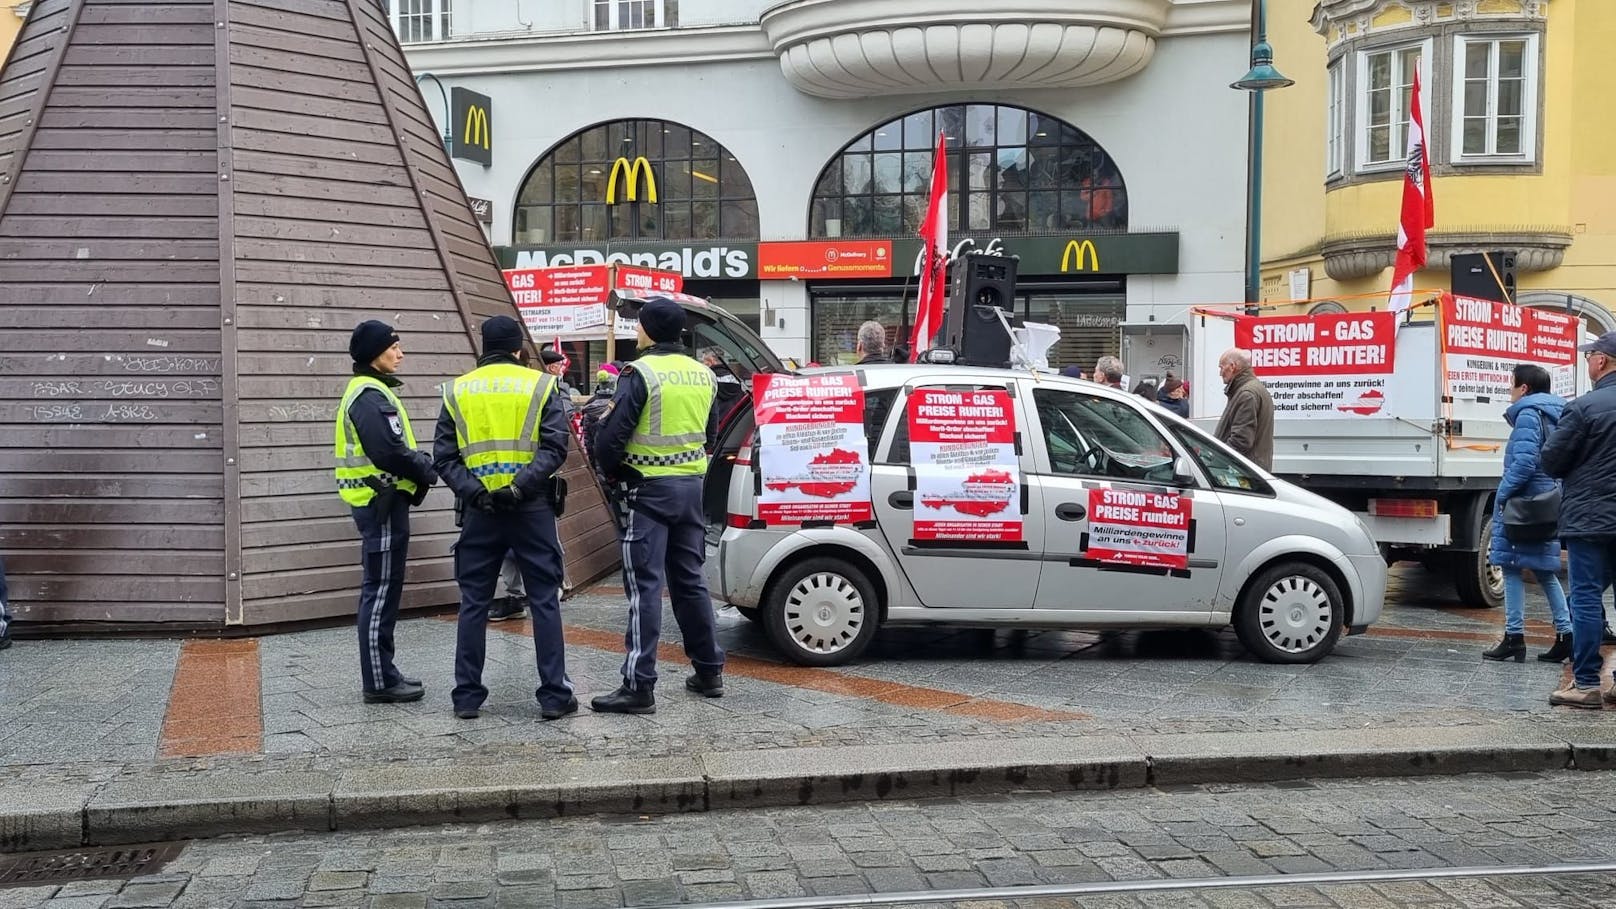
x: 1071, y: 511
x: 904, y: 499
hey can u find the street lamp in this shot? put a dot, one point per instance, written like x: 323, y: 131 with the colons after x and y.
x: 448, y: 111
x: 1262, y: 77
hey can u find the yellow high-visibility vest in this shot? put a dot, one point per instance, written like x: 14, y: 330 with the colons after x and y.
x: 671, y: 436
x: 353, y: 464
x: 496, y: 410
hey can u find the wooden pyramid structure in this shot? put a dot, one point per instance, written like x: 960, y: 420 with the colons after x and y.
x: 198, y: 200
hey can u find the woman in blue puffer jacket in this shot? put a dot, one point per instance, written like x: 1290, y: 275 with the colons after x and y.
x: 1533, y: 415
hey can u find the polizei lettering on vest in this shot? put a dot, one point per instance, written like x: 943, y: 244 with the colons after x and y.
x: 685, y: 377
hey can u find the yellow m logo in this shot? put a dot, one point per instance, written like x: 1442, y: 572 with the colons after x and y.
x: 623, y: 165
x: 1084, y: 254
x: 476, y: 126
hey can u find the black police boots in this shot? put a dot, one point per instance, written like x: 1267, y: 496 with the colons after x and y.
x: 556, y: 713
x: 508, y: 608
x: 398, y: 694
x: 708, y: 686
x: 625, y: 700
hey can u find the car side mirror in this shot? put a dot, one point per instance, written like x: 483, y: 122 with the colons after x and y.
x: 1183, y: 471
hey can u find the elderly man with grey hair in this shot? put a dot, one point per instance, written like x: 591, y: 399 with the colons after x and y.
x: 1108, y: 371
x: 871, y: 344
x: 1247, y: 424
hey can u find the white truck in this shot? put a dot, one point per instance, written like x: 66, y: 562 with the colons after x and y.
x: 1413, y: 445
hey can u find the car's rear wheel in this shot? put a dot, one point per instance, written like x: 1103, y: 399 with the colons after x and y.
x: 1292, y: 613
x: 1476, y: 580
x: 821, y: 612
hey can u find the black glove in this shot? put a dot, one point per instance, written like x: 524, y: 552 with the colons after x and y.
x: 507, y: 498
x: 420, y: 494
x: 483, y: 502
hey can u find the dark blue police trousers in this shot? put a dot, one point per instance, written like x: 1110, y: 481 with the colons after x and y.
x: 530, y: 536
x: 386, y: 547
x: 664, y: 541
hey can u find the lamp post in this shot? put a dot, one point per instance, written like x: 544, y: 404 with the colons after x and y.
x: 448, y: 111
x: 1259, y: 79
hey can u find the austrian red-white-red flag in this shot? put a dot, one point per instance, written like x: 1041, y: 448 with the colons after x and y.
x: 934, y: 257
x: 1419, y: 210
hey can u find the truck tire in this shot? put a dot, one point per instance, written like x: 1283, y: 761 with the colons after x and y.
x: 1291, y: 613
x: 1478, y: 582
x: 821, y: 612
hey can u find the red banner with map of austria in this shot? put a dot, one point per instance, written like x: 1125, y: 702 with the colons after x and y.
x: 967, y: 476
x: 1145, y: 529
x: 1330, y: 367
x: 812, y: 450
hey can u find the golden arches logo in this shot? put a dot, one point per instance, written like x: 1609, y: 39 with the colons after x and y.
x: 1082, y: 254
x: 633, y: 169
x: 477, y: 132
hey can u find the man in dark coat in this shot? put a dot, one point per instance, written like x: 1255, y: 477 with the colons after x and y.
x: 1247, y: 425
x: 1582, y: 455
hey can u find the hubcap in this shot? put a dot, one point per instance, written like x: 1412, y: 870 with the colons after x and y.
x: 1295, y: 614
x: 824, y: 612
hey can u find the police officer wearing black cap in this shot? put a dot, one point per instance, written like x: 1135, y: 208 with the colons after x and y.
x: 655, y: 439
x: 380, y: 475
x: 501, y: 437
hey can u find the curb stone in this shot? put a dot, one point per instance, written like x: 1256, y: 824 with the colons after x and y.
x: 143, y: 807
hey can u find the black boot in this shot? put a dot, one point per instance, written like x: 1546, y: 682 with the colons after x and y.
x: 1609, y: 636
x: 1560, y: 652
x: 708, y: 686
x: 625, y: 700
x: 1512, y: 647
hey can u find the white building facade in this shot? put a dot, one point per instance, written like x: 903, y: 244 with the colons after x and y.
x: 780, y: 153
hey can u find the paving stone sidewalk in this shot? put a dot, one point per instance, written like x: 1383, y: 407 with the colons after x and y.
x: 1189, y: 832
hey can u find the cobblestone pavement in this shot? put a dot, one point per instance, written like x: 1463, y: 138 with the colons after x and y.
x: 1199, y: 832
x: 101, y: 702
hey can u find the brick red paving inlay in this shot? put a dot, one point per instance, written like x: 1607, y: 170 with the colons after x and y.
x: 214, y: 707
x: 825, y: 680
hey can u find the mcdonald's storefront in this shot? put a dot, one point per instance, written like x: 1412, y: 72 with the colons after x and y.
x: 799, y: 212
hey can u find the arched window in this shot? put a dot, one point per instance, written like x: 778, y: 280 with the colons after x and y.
x: 636, y: 180
x: 1010, y: 170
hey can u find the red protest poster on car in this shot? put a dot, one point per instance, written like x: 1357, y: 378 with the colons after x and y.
x: 1483, y: 340
x: 1322, y: 367
x: 1145, y: 529
x: 967, y: 474
x: 562, y: 300
x: 812, y: 451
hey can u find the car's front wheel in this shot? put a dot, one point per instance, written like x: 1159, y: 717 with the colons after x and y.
x: 821, y: 612
x: 1292, y: 613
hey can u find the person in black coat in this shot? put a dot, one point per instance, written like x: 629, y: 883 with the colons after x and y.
x: 1581, y: 453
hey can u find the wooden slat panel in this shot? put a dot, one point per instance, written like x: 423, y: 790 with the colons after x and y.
x: 94, y: 615
x: 172, y: 228
x: 334, y: 528
x: 300, y: 124
x: 328, y: 190
x: 336, y: 553
x: 368, y: 298
x: 149, y: 14
x: 130, y: 55
x: 275, y: 610
x: 139, y: 440
x: 360, y: 235
x: 121, y: 561
x: 188, y: 537
x: 315, y: 146
x: 304, y: 44
x: 188, y: 140
x: 350, y: 170
x: 344, y: 579
x: 112, y: 159
x: 131, y: 118
x: 152, y: 511
x: 272, y: 205
x: 112, y: 589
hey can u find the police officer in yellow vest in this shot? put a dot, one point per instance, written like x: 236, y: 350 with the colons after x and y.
x: 379, y: 475
x: 655, y: 439
x: 501, y: 437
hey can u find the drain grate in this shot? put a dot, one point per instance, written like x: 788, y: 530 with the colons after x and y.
x: 32, y: 869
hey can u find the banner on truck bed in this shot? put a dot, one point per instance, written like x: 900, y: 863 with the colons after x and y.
x: 1322, y: 367
x: 1143, y: 529
x: 967, y: 476
x: 1483, y: 340
x: 813, y: 455
x: 571, y: 301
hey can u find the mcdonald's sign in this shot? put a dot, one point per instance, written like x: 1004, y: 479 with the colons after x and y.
x: 633, y: 170
x: 471, y: 117
x: 1080, y: 254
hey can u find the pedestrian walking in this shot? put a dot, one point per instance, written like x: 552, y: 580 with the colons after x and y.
x: 380, y: 474
x: 501, y: 437
x: 1532, y: 416
x: 5, y: 610
x: 1581, y: 453
x: 1247, y: 424
x: 1175, y: 396
x: 655, y: 439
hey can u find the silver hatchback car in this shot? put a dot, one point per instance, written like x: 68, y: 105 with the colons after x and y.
x: 1288, y: 569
